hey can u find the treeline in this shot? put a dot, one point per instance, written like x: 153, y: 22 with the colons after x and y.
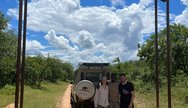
x: 142, y: 71
x: 37, y: 69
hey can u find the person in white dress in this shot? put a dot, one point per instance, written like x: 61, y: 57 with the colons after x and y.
x: 101, y: 95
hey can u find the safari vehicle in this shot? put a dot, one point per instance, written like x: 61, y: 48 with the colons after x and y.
x: 87, y: 77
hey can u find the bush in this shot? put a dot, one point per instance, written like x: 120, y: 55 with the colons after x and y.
x: 8, y: 90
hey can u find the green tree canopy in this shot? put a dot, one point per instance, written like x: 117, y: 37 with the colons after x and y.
x: 3, y: 22
x: 8, y: 45
x: 179, y: 50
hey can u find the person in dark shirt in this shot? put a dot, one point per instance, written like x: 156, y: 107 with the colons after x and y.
x: 126, y: 90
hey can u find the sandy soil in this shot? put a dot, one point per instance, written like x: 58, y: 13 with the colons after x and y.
x: 10, y: 105
x: 64, y: 101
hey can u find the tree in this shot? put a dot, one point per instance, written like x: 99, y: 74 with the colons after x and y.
x: 117, y: 68
x: 41, y: 68
x: 55, y: 67
x: 3, y: 22
x: 35, y: 71
x: 8, y: 45
x: 68, y: 70
x: 179, y: 50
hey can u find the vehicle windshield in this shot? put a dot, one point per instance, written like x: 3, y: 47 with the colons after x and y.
x: 93, y: 77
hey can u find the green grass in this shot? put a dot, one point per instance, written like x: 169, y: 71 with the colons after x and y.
x: 6, y: 95
x: 177, y: 95
x: 46, y: 97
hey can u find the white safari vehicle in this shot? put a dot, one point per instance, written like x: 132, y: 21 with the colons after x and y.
x: 87, y: 77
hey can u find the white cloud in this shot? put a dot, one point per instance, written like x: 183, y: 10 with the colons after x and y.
x: 91, y: 33
x: 185, y: 2
x: 10, y: 26
x: 183, y: 17
x: 85, y: 40
x: 33, y: 44
x: 33, y: 47
x: 58, y: 41
x: 146, y: 3
x: 13, y: 12
x: 118, y: 2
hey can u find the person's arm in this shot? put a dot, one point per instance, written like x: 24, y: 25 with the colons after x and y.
x: 96, y: 98
x: 132, y: 97
x: 118, y: 93
x: 120, y: 89
x: 107, y: 97
x: 109, y: 91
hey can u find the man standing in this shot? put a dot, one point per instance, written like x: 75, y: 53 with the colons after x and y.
x: 114, y: 92
x: 126, y: 90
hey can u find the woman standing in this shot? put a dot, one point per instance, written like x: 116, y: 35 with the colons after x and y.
x: 101, y: 94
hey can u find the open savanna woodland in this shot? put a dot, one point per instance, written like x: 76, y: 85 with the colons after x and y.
x: 72, y: 48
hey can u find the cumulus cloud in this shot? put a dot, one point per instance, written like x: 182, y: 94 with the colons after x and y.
x: 185, y: 2
x: 58, y: 41
x: 183, y: 17
x: 85, y: 40
x: 100, y: 32
x: 118, y: 2
x: 146, y: 3
x: 13, y: 12
x: 33, y: 44
x: 33, y: 47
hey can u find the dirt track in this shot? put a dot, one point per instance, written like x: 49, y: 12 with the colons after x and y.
x: 10, y: 105
x: 64, y: 101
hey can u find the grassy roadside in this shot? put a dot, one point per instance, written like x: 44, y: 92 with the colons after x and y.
x: 178, y: 98
x: 46, y: 97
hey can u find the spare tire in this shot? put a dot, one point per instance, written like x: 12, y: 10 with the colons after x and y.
x: 85, y: 89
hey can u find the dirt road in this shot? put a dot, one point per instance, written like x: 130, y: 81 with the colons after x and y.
x: 10, y: 105
x: 64, y: 101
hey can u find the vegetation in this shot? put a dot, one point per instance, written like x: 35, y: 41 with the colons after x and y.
x: 142, y: 72
x: 37, y: 69
x: 45, y: 97
x: 8, y: 45
x: 41, y: 68
x: 179, y: 50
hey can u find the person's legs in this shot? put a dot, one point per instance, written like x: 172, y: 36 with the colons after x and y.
x: 111, y: 105
x: 123, y: 105
x: 99, y: 106
x: 116, y: 105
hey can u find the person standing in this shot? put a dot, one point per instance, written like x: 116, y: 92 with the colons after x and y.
x: 101, y: 95
x: 127, y: 94
x: 114, y: 92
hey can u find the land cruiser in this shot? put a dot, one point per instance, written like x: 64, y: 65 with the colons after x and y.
x: 87, y: 77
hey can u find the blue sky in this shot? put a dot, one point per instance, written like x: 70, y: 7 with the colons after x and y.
x: 91, y: 30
